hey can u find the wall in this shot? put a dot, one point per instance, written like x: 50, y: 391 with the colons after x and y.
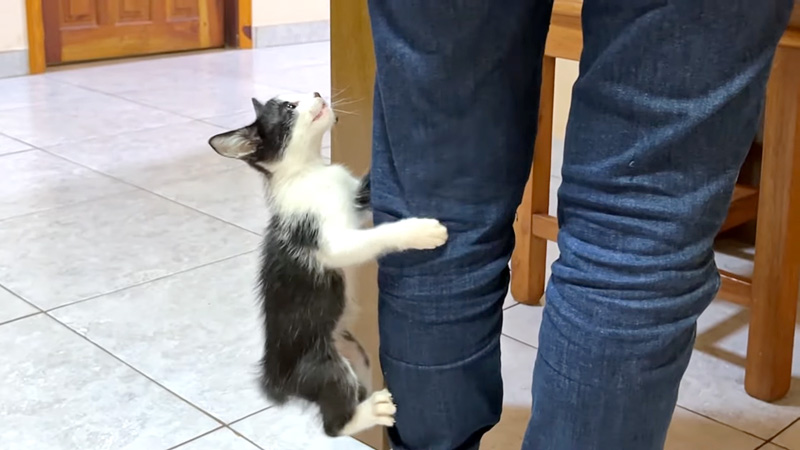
x: 280, y: 22
x: 13, y: 38
x: 13, y: 34
x: 279, y: 12
x: 566, y: 74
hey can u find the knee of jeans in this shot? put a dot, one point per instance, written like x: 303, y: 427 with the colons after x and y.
x: 442, y: 337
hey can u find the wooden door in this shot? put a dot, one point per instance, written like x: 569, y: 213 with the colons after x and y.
x: 82, y: 30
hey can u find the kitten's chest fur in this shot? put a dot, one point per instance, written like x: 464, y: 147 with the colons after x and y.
x: 305, y: 304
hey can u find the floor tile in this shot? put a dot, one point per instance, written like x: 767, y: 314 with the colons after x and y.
x: 221, y: 97
x: 60, y: 256
x: 94, y: 115
x: 522, y: 322
x: 714, y: 383
x: 223, y: 439
x: 790, y: 438
x: 517, y: 360
x: 197, y: 333
x: 9, y: 145
x: 772, y: 447
x: 37, y: 90
x: 61, y: 392
x: 36, y: 181
x: 235, y: 196
x: 300, y: 79
x: 251, y: 63
x: 689, y: 431
x: 11, y: 307
x: 293, y: 426
x: 126, y: 76
x: 153, y: 157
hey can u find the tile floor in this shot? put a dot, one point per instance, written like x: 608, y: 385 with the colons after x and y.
x: 126, y: 259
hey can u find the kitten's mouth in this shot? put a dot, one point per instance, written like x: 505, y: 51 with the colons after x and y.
x: 321, y: 112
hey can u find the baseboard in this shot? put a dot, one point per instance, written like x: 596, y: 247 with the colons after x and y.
x: 292, y: 33
x: 13, y: 63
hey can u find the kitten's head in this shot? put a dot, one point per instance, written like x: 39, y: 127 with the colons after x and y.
x: 287, y: 132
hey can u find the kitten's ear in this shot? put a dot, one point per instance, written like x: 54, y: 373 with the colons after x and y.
x: 257, y: 106
x: 239, y: 143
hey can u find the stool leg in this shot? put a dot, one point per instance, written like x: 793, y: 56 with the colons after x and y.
x: 530, y: 253
x: 776, y: 278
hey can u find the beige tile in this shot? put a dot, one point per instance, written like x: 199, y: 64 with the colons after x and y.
x: 714, y: 383
x: 790, y: 438
x: 522, y: 322
x: 690, y: 431
x: 517, y: 360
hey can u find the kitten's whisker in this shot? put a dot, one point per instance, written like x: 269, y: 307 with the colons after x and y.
x: 350, y: 113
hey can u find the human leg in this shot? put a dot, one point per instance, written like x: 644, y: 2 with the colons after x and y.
x: 663, y: 113
x: 456, y: 98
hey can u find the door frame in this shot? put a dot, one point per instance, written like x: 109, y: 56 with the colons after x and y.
x: 238, y: 22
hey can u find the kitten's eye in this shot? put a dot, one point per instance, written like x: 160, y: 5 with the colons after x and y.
x: 291, y: 106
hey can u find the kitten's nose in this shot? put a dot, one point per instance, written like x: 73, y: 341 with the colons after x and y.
x: 316, y: 95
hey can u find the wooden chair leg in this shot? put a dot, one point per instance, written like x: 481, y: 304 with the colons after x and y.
x: 776, y: 278
x: 528, y: 262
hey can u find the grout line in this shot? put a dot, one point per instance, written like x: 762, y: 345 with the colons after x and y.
x: 769, y: 441
x: 67, y: 205
x: 144, y: 189
x: 244, y: 437
x: 521, y: 342
x: 17, y: 152
x: 16, y: 139
x: 130, y: 366
x: 250, y: 415
x: 141, y: 283
x: 21, y: 317
x: 722, y: 423
x: 511, y: 306
x: 196, y: 438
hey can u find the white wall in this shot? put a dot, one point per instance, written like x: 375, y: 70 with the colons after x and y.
x: 13, y: 30
x: 566, y: 74
x: 279, y: 12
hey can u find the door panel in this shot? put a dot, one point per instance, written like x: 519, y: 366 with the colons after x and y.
x: 82, y: 30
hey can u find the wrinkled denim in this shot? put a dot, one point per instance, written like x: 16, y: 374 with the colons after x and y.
x: 663, y: 113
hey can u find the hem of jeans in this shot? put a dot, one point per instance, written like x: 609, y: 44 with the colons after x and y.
x: 451, y: 365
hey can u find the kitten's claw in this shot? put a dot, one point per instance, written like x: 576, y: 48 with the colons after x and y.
x: 383, y: 408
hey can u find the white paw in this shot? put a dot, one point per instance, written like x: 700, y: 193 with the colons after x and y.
x: 422, y: 234
x: 383, y: 408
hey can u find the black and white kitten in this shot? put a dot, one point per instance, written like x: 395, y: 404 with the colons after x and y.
x: 314, y: 237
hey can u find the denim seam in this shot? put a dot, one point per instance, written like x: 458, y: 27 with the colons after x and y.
x: 478, y: 354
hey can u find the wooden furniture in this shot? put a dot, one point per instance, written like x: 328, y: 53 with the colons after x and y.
x: 87, y: 30
x: 352, y: 78
x: 772, y: 293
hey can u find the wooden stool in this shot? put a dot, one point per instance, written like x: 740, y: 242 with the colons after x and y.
x: 772, y: 294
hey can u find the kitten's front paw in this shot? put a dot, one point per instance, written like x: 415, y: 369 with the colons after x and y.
x: 422, y: 234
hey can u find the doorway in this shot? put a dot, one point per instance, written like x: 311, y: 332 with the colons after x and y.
x: 68, y: 31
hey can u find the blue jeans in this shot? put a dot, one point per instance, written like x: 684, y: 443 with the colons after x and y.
x: 663, y: 113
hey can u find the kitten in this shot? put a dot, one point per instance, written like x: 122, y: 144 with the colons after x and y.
x: 313, y: 239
